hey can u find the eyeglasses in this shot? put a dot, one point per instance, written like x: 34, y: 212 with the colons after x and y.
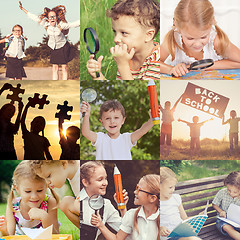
x: 52, y: 17
x: 138, y: 189
x: 16, y: 30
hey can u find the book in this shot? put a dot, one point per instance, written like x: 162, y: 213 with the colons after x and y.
x: 191, y: 226
x: 233, y: 214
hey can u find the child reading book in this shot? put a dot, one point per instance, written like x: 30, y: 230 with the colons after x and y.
x: 172, y: 212
x: 222, y: 201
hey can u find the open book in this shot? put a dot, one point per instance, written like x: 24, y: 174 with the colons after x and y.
x: 191, y: 226
x: 233, y: 214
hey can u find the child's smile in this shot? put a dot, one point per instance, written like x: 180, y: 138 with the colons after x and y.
x: 194, y: 39
x: 17, y: 32
x: 112, y: 121
x: 128, y: 31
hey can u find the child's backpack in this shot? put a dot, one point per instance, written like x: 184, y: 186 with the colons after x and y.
x: 7, y: 44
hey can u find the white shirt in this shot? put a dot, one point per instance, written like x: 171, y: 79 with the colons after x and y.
x: 113, y: 149
x: 169, y: 213
x: 56, y: 38
x: 15, y: 48
x: 110, y: 214
x: 147, y: 227
x: 182, y: 57
x: 75, y: 182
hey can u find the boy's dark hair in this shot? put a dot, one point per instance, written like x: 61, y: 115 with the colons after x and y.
x: 233, y: 179
x: 146, y: 12
x: 112, y: 104
x: 74, y: 130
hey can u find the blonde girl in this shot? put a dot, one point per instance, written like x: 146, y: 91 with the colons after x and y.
x: 34, y: 208
x: 93, y: 178
x: 195, y: 35
x: 171, y: 209
x: 134, y: 224
x: 56, y: 172
x: 222, y: 201
x: 56, y: 26
x: 15, y: 53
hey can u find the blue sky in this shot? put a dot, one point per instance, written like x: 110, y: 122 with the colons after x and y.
x: 10, y: 14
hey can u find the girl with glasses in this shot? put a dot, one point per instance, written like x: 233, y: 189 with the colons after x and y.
x: 141, y: 223
x: 57, y: 27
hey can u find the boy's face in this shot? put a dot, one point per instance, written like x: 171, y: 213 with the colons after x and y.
x: 130, y: 32
x: 55, y: 174
x: 112, y: 121
x: 233, y: 191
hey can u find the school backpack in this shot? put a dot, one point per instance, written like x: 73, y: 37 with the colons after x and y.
x: 7, y: 44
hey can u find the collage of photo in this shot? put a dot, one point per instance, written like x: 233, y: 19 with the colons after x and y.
x: 80, y: 99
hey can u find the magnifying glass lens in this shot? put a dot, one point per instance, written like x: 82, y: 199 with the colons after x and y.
x: 89, y: 95
x: 201, y: 66
x: 96, y: 202
x: 90, y: 41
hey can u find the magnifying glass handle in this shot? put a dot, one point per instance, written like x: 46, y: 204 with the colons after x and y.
x: 83, y: 114
x: 97, y: 73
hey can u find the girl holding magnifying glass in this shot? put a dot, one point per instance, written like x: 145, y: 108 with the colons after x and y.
x: 134, y: 224
x: 93, y: 179
x: 194, y: 36
x: 56, y: 26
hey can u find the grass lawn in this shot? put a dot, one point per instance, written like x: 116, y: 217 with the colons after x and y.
x: 208, y: 168
x: 66, y: 226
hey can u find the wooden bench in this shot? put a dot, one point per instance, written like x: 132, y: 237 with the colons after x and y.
x: 195, y: 194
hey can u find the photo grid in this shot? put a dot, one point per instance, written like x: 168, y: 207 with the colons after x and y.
x: 80, y: 120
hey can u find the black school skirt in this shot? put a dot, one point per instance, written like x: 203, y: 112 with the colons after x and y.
x: 15, y: 68
x: 62, y: 55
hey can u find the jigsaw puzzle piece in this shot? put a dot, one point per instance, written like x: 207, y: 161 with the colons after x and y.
x: 40, y: 101
x: 64, y: 109
x: 15, y: 92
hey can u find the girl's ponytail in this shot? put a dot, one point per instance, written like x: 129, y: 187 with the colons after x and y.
x: 223, y: 40
x: 171, y: 43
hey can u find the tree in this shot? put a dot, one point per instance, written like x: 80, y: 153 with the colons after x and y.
x: 134, y: 97
x: 6, y: 171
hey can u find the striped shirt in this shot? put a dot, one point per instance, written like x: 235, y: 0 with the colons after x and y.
x: 150, y: 70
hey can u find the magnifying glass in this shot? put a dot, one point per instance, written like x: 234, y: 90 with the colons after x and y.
x: 96, y: 202
x: 88, y: 95
x: 92, y: 42
x: 201, y: 64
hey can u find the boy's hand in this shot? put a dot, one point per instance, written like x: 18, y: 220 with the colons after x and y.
x: 77, y: 203
x: 85, y: 107
x: 39, y: 214
x: 94, y: 66
x: 150, y: 114
x: 96, y: 220
x: 179, y: 70
x: 164, y: 231
x: 121, y: 55
x: 223, y: 214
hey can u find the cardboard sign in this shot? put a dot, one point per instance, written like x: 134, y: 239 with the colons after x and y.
x: 205, y: 100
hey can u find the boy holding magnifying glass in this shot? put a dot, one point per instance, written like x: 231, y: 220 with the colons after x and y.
x: 135, y: 25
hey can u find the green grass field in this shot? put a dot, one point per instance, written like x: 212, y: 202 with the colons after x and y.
x: 66, y: 226
x: 93, y: 14
x: 201, y: 169
x: 211, y: 149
